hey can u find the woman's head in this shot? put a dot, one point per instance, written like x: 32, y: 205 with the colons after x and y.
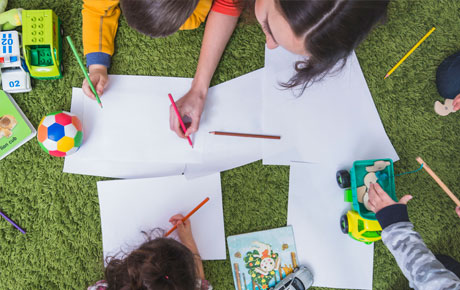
x: 326, y: 31
x: 158, y: 264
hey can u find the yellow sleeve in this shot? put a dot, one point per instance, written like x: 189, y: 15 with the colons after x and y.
x: 198, y: 16
x: 100, y: 23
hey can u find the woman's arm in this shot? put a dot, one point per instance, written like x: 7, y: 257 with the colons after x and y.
x: 219, y: 28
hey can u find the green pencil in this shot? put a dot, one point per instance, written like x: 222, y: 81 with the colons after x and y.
x: 83, y: 69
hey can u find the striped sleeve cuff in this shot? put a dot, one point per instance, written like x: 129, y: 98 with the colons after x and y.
x: 98, y: 58
x: 392, y: 214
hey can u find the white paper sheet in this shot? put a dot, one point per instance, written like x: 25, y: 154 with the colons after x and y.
x: 333, y: 120
x: 233, y: 106
x: 131, y: 206
x: 315, y: 206
x: 133, y: 126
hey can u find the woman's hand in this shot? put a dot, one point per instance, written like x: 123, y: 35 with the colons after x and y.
x: 99, y: 78
x: 190, y: 105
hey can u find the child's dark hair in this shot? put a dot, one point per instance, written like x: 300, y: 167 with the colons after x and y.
x: 331, y: 30
x: 157, y: 18
x: 158, y: 264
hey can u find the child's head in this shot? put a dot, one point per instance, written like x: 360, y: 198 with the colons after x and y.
x: 157, y: 18
x: 447, y: 77
x: 158, y: 264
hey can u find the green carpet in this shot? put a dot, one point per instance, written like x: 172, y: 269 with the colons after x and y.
x: 63, y: 248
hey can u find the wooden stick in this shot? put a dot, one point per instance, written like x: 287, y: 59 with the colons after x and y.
x: 187, y: 216
x: 253, y: 284
x: 294, y: 260
x: 244, y: 135
x: 237, y: 275
x: 438, y: 180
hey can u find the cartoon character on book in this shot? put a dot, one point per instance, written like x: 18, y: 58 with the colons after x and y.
x: 7, y: 123
x: 262, y: 264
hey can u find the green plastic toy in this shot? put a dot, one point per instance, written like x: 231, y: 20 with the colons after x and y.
x: 361, y: 223
x: 11, y: 19
x: 42, y: 43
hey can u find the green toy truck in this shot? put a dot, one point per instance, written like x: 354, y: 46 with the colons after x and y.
x: 360, y: 223
x: 42, y: 43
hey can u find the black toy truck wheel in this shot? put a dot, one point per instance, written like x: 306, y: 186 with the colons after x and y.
x: 343, y: 178
x: 344, y: 224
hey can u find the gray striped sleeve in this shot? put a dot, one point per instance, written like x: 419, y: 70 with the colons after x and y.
x: 416, y: 261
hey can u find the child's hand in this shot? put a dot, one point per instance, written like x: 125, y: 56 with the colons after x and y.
x: 456, y: 104
x: 184, y: 229
x: 379, y: 199
x: 457, y: 210
x: 99, y: 78
x: 190, y: 105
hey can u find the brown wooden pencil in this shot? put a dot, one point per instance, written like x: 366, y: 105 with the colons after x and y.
x: 438, y: 180
x: 244, y: 135
x: 294, y: 260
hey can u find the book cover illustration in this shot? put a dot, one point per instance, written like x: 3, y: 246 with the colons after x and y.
x: 262, y: 259
x: 15, y: 129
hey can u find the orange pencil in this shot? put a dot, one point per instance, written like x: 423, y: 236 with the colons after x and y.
x: 188, y: 215
x: 180, y: 119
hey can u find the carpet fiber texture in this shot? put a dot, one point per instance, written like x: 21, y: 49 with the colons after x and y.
x: 63, y: 246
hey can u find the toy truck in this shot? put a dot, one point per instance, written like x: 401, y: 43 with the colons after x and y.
x: 360, y: 223
x: 42, y: 43
x: 15, y: 79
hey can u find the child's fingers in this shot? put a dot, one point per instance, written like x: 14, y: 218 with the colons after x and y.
x: 457, y: 210
x: 101, y: 86
x: 405, y: 199
x: 176, y: 218
x: 87, y: 90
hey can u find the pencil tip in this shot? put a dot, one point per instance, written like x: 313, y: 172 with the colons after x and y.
x: 385, y: 77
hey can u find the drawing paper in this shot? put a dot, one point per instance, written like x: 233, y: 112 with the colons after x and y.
x: 333, y: 120
x: 129, y: 207
x: 315, y: 206
x: 133, y: 126
x: 261, y: 259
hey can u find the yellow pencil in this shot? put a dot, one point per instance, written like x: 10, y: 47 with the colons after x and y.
x: 410, y: 52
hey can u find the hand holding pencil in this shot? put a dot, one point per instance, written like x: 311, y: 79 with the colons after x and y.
x: 190, y: 105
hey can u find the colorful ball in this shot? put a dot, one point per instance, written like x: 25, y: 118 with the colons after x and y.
x: 60, y: 134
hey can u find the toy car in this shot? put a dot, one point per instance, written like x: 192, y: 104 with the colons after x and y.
x: 300, y: 279
x: 42, y: 43
x: 14, y: 78
x: 360, y: 223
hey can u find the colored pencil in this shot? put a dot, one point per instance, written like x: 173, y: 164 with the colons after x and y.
x: 69, y: 40
x: 438, y: 180
x: 180, y: 119
x: 294, y: 260
x: 237, y: 275
x: 244, y: 135
x: 188, y: 215
x: 13, y: 223
x: 410, y: 52
x: 244, y: 280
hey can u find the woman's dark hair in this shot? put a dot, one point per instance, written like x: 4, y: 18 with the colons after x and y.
x: 331, y: 29
x: 158, y: 264
x: 157, y: 18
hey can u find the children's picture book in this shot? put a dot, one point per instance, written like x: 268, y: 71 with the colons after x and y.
x: 262, y: 259
x: 15, y: 128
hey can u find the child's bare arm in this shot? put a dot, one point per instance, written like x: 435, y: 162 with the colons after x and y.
x: 184, y: 230
x: 219, y: 28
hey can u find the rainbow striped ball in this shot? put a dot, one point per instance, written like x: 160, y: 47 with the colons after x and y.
x: 60, y: 134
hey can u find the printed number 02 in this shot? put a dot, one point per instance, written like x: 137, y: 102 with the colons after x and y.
x: 14, y: 84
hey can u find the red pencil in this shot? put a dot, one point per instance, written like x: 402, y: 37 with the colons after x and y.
x: 187, y: 216
x: 180, y: 119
